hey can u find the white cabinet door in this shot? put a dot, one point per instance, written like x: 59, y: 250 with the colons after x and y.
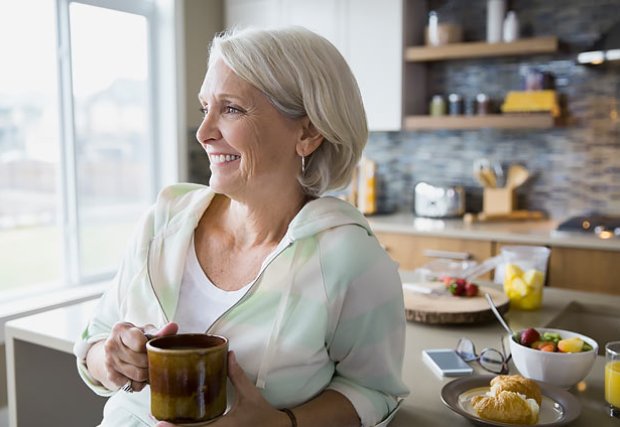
x: 324, y: 17
x: 375, y: 54
x: 369, y: 34
x: 254, y: 13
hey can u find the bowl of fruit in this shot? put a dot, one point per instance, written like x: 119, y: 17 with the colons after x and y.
x: 555, y: 356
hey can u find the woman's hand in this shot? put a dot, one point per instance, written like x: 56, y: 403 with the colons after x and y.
x: 122, y: 356
x: 250, y: 407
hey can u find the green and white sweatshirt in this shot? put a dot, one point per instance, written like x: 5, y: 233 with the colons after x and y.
x: 325, y: 311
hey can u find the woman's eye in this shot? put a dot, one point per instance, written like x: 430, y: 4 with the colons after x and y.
x: 204, y: 110
x: 232, y: 110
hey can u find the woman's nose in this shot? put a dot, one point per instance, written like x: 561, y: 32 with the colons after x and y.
x: 208, y: 130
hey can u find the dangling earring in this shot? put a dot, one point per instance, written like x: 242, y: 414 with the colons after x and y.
x: 303, y: 165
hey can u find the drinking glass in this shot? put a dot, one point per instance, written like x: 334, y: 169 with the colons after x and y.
x: 612, y: 377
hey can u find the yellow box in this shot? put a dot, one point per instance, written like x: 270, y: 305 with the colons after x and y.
x: 530, y: 101
x: 498, y: 200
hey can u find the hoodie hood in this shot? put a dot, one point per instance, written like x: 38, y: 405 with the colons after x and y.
x: 322, y: 214
x: 178, y: 211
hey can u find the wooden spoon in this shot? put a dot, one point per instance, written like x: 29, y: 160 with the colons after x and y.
x: 517, y: 175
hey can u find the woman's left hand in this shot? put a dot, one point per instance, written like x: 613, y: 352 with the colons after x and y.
x: 250, y: 407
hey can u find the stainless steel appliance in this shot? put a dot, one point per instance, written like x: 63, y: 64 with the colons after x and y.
x: 436, y: 201
x: 602, y: 226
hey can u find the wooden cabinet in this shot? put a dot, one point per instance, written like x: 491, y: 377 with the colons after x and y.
x: 368, y: 33
x: 413, y: 251
x: 585, y: 269
x: 590, y: 270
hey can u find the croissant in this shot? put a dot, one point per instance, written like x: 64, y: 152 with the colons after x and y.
x: 530, y: 389
x: 507, y: 407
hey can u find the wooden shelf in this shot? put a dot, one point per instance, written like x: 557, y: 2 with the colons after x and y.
x: 497, y: 121
x: 481, y: 49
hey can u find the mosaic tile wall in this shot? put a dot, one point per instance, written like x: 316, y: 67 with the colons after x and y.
x: 575, y: 168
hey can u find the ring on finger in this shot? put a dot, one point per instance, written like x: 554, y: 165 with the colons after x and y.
x: 128, y: 387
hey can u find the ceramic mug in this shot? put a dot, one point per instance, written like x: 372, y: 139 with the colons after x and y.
x: 187, y: 375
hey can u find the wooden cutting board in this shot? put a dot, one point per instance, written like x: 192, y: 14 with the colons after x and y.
x: 441, y: 307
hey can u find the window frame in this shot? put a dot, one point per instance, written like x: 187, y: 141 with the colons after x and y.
x: 166, y: 165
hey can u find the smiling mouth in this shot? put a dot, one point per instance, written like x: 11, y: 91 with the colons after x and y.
x: 218, y: 159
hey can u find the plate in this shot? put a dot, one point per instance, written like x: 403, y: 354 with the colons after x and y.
x: 558, y: 406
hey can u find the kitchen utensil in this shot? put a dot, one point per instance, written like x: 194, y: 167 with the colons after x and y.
x: 484, y: 267
x: 484, y: 173
x: 517, y: 175
x: 499, y: 317
x: 449, y: 309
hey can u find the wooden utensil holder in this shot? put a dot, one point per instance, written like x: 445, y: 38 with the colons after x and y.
x: 498, y: 200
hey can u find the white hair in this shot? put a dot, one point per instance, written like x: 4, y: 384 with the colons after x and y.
x: 303, y: 74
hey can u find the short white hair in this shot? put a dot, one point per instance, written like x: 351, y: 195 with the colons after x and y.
x: 303, y: 74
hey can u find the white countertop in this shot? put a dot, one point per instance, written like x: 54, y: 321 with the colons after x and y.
x: 528, y: 232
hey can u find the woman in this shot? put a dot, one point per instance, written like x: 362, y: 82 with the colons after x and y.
x: 311, y: 304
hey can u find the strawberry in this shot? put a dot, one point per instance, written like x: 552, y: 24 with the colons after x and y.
x: 461, y: 282
x: 457, y: 289
x: 471, y: 289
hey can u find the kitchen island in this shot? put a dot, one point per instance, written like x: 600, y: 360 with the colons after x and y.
x: 423, y: 407
x: 39, y: 358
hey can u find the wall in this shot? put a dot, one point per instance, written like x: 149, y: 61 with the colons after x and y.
x: 202, y: 20
x: 575, y: 167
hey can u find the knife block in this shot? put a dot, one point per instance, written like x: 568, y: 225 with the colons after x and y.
x: 498, y: 200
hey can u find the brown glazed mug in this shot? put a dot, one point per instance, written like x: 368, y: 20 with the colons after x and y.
x: 187, y: 375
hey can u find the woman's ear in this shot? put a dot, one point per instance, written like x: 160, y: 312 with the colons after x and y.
x: 310, y: 138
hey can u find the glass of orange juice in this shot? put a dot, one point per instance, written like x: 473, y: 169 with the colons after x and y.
x: 612, y: 377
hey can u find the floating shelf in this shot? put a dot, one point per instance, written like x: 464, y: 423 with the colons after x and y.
x: 481, y: 49
x: 496, y: 121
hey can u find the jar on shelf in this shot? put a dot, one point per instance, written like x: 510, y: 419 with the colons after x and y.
x: 455, y: 104
x: 438, y: 106
x: 483, y: 104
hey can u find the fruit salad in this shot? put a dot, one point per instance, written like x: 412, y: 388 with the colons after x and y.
x: 550, y: 342
x: 523, y: 288
x: 460, y: 287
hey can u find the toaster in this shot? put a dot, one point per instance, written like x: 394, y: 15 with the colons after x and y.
x: 436, y: 201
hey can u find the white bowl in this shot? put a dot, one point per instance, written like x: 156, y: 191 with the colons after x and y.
x: 560, y: 369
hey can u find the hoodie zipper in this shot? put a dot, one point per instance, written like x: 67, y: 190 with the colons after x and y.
x: 250, y: 291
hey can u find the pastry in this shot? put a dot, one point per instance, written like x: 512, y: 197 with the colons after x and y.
x: 507, y: 407
x: 511, y: 399
x: 518, y: 384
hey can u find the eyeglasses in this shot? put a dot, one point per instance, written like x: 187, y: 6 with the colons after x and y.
x: 490, y: 359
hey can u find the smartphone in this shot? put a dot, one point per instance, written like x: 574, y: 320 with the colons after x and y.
x: 446, y: 362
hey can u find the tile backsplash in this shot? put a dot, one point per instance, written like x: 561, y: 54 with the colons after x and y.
x: 575, y: 167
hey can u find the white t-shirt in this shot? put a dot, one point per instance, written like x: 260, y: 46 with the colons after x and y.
x: 201, y: 302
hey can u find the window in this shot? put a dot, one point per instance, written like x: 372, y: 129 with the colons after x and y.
x: 78, y: 137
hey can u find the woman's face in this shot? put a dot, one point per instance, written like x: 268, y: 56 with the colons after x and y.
x: 251, y: 145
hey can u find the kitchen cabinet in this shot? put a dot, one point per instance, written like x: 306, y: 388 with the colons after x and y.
x: 412, y: 251
x: 592, y: 270
x: 367, y: 33
x: 585, y: 269
x: 416, y: 58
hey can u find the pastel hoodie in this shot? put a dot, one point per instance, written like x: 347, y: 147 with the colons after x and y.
x: 325, y: 311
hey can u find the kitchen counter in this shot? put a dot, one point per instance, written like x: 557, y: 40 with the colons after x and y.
x: 423, y: 407
x: 527, y: 232
x: 39, y: 358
